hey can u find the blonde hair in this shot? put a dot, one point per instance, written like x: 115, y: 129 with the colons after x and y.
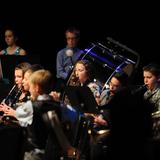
x: 43, y: 78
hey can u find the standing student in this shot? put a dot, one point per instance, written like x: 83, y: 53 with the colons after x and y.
x: 67, y: 57
x: 12, y: 48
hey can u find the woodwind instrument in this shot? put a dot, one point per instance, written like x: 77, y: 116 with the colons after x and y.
x: 12, y: 96
x: 10, y: 100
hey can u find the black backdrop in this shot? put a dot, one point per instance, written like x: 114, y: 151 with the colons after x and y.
x: 41, y: 29
x: 41, y: 26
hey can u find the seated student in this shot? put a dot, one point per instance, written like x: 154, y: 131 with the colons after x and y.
x: 9, y: 117
x: 100, y: 141
x: 9, y: 111
x: 151, y: 74
x: 31, y: 115
x: 83, y: 75
x: 25, y: 82
x: 16, y: 136
x: 17, y: 93
x: 12, y: 46
x: 130, y: 124
x: 68, y: 56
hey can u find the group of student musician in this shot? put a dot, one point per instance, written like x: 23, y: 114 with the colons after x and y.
x: 45, y: 113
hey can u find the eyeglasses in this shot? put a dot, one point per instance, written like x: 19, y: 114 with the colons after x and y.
x: 71, y: 38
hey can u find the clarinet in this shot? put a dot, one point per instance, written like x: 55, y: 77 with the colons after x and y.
x: 6, y: 100
x: 12, y: 96
x: 10, y: 100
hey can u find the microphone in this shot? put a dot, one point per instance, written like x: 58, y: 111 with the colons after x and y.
x: 69, y: 54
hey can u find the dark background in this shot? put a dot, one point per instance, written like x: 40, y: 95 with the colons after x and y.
x: 41, y: 26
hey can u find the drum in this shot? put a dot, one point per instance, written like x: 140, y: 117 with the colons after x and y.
x: 156, y: 125
x: 108, y: 59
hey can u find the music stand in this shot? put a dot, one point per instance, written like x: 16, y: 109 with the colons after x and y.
x: 82, y: 99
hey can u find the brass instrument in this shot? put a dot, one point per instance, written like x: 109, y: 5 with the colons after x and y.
x: 73, y: 79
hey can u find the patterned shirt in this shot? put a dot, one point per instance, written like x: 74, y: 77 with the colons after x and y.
x: 17, y: 52
x: 154, y: 98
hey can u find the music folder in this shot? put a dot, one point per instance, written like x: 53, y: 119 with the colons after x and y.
x: 82, y: 99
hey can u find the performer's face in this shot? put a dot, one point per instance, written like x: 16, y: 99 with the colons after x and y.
x: 9, y: 38
x: 150, y: 80
x: 72, y: 40
x: 18, y: 74
x: 26, y: 81
x: 81, y: 72
x: 114, y: 85
x: 34, y: 90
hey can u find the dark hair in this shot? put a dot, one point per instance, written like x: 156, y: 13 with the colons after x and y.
x: 35, y: 67
x: 74, y: 81
x: 73, y: 30
x: 14, y: 32
x: 122, y: 78
x: 89, y: 68
x: 154, y: 68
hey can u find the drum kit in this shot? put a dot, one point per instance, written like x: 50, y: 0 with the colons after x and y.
x: 110, y: 57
